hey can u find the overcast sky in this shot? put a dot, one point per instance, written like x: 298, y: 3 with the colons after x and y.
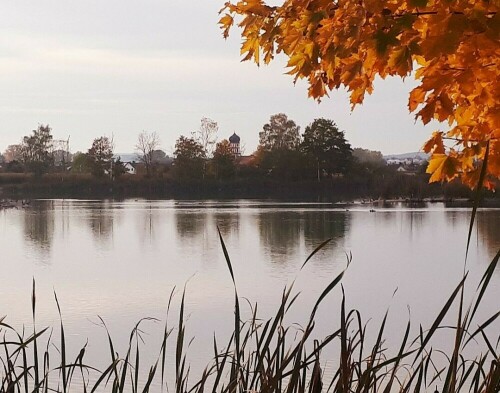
x: 117, y: 67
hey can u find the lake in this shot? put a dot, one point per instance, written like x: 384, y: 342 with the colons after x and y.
x: 120, y: 260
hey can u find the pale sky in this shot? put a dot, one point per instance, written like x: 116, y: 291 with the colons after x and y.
x: 118, y: 67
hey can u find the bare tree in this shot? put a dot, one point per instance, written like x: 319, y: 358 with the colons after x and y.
x: 206, y: 135
x: 147, y: 143
x: 13, y: 153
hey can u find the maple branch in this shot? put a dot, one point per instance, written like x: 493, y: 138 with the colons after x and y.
x: 469, y: 140
x: 424, y: 13
x: 465, y: 69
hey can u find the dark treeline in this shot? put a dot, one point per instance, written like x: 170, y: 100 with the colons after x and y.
x: 384, y: 182
x: 319, y: 164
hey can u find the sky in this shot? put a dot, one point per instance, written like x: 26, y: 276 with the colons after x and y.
x: 119, y: 67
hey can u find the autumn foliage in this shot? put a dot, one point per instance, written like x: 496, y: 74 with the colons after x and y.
x: 450, y: 47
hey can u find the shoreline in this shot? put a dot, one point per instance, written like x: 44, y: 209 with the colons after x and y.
x: 347, y: 190
x: 490, y: 203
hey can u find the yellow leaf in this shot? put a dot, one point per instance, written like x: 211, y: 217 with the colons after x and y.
x: 317, y: 89
x: 435, y: 144
x: 417, y: 96
x: 400, y: 60
x: 226, y: 22
x: 441, y: 167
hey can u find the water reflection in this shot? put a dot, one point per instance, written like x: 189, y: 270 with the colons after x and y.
x: 228, y: 223
x: 488, y: 230
x: 190, y: 225
x: 148, y: 222
x: 100, y: 218
x: 321, y: 225
x: 415, y: 219
x: 280, y: 233
x: 39, y: 225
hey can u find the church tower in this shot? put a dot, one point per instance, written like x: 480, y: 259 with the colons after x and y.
x: 234, y: 141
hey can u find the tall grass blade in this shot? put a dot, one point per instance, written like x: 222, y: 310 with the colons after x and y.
x: 35, y: 346
x: 237, y: 318
x: 316, y: 383
x: 221, y: 364
x: 63, y: 348
x: 166, y: 334
x: 315, y: 251
x: 105, y: 374
x: 477, y: 195
x: 125, y: 364
x: 180, y: 343
x: 440, y: 317
x: 483, y: 285
x: 137, y: 366
x: 151, y: 376
x: 325, y: 292
x: 482, y: 327
x: 226, y: 256
x: 112, y: 352
x: 398, y: 359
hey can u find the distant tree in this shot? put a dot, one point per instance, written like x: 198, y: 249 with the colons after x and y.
x: 223, y: 160
x: 189, y: 158
x: 147, y: 144
x: 101, y: 156
x: 206, y: 135
x: 118, y: 168
x: 14, y: 167
x: 280, y: 133
x: 13, y: 153
x: 36, y: 150
x: 82, y: 163
x: 283, y: 164
x: 369, y: 157
x: 158, y: 156
x: 327, y: 146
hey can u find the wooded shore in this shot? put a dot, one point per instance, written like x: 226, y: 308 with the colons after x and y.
x: 69, y: 185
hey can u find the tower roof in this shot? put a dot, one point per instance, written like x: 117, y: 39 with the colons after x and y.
x: 234, y: 138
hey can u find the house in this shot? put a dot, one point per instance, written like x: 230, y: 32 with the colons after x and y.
x: 130, y: 168
x: 394, y: 161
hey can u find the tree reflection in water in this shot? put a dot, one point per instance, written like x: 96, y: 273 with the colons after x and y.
x: 488, y: 231
x: 101, y: 219
x: 284, y: 233
x: 39, y: 225
x: 190, y: 225
x: 228, y: 223
x: 148, y: 223
x: 280, y: 233
x: 318, y: 226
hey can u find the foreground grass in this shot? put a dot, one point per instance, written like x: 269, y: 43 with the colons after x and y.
x: 270, y: 356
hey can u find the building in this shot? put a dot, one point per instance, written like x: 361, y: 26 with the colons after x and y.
x: 234, y: 143
x: 130, y: 168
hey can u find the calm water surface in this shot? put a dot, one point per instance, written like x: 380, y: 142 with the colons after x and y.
x: 121, y: 260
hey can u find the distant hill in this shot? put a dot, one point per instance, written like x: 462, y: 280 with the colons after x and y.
x: 127, y: 157
x: 405, y: 156
x: 133, y: 157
